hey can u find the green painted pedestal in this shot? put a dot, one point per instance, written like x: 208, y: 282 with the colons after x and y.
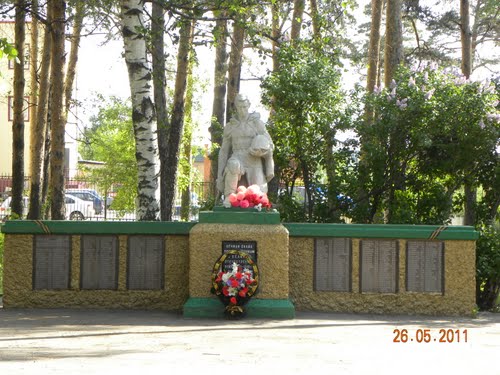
x: 201, y: 308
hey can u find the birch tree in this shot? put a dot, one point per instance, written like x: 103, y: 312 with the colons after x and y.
x: 143, y: 110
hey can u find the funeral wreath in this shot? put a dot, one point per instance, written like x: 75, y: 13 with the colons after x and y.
x: 235, y: 285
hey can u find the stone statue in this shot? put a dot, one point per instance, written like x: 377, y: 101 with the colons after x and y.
x: 246, y: 154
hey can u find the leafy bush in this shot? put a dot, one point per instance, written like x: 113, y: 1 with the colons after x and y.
x: 488, y: 268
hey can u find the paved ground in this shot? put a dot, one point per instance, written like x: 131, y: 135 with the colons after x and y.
x: 100, y: 342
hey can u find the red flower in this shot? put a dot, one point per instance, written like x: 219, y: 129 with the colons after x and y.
x: 225, y: 291
x: 233, y: 282
x: 233, y: 300
x: 239, y: 275
x: 243, y: 292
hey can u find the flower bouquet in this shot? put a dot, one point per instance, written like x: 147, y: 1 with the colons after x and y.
x: 235, y: 286
x: 249, y: 197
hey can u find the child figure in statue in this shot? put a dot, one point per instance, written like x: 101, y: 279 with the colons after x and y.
x: 246, y: 154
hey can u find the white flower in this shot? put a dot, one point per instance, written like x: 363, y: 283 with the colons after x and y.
x: 481, y: 124
x: 429, y: 94
x: 259, y: 207
x: 402, y: 104
x: 226, y: 276
x: 393, y: 84
x: 411, y: 82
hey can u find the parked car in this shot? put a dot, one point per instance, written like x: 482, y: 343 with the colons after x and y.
x: 76, y: 208
x: 88, y: 195
x: 5, y: 209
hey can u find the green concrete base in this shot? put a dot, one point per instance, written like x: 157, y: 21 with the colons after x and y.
x: 212, y: 308
x: 223, y: 215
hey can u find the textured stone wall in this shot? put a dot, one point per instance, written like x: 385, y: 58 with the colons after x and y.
x: 272, y: 256
x: 18, y: 275
x: 286, y: 271
x: 459, y: 284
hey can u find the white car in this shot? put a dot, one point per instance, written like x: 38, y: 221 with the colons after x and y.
x: 76, y: 209
x: 5, y: 209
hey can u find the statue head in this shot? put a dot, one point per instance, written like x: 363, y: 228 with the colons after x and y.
x: 242, y: 104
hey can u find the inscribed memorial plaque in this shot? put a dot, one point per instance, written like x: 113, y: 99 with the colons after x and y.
x: 424, y: 266
x: 52, y: 257
x: 248, y: 247
x: 379, y: 266
x: 99, y: 262
x: 145, y: 262
x: 332, y: 264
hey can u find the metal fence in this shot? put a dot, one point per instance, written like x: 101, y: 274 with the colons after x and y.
x: 85, y: 200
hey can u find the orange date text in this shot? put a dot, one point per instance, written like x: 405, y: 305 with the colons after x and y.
x: 443, y: 335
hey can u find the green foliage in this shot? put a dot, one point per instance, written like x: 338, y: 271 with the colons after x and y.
x: 432, y: 132
x: 110, y: 139
x: 488, y: 267
x: 306, y: 99
x: 7, y: 49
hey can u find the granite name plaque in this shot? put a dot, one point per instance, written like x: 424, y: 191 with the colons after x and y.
x: 99, y: 262
x: 379, y: 266
x: 248, y: 247
x: 145, y: 262
x: 332, y: 260
x: 424, y: 266
x: 52, y: 257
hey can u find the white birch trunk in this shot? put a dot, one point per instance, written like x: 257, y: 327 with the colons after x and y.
x: 143, y: 112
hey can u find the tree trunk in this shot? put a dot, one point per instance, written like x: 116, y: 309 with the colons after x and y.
x: 143, y: 109
x: 187, y: 139
x: 315, y: 19
x: 18, y: 118
x: 466, y: 40
x: 38, y: 131
x: 298, y: 13
x: 275, y: 33
x: 273, y: 185
x: 174, y: 139
x: 160, y: 83
x: 56, y: 111
x: 73, y: 55
x: 465, y: 36
x: 393, y: 40
x: 235, y: 61
x: 218, y: 106
x: 374, y: 47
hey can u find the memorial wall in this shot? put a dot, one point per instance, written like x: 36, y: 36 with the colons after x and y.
x: 317, y: 267
x: 380, y: 275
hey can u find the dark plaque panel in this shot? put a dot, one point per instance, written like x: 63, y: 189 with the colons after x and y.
x: 424, y: 266
x: 379, y: 266
x: 99, y: 267
x: 52, y: 259
x: 145, y: 262
x: 333, y: 264
x: 248, y: 247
